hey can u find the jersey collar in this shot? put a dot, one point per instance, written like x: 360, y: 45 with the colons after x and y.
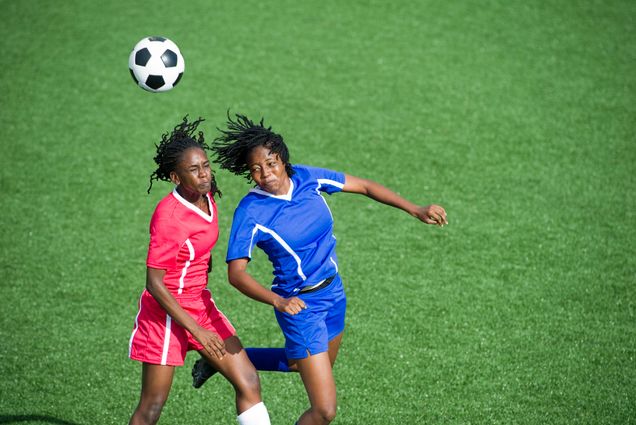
x: 190, y: 206
x: 285, y: 197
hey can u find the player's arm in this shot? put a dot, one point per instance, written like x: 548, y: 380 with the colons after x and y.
x: 430, y: 214
x: 239, y: 278
x: 155, y: 286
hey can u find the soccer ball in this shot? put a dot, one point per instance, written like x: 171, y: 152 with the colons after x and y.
x: 156, y: 64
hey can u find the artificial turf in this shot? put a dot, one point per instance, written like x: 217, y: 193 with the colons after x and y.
x: 517, y: 117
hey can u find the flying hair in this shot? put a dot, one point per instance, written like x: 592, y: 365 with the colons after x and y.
x: 173, y: 145
x: 233, y: 146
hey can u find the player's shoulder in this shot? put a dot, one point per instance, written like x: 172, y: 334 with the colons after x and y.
x: 303, y: 172
x: 247, y: 202
x: 303, y: 169
x: 170, y: 209
x: 166, y: 206
x: 308, y: 173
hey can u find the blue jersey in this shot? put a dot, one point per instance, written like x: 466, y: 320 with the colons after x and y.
x: 294, y: 230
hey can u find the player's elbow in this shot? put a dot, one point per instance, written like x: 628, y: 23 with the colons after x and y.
x: 236, y: 273
x: 233, y: 277
x: 154, y: 278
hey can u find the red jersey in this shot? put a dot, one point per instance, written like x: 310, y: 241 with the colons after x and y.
x: 181, y: 238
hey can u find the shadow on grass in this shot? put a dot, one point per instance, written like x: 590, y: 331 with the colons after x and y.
x: 12, y: 419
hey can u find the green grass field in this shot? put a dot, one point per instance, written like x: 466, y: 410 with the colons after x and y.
x: 519, y: 117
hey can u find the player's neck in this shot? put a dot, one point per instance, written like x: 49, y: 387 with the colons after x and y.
x: 284, y: 187
x: 192, y: 196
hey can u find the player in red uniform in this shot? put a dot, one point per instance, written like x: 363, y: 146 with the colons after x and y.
x: 176, y: 311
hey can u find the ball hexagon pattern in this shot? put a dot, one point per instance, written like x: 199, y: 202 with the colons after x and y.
x: 156, y: 64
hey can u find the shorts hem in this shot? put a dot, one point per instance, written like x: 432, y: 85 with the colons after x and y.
x: 154, y: 362
x: 308, y: 352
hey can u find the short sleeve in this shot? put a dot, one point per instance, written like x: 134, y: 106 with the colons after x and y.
x: 165, y: 242
x: 243, y: 235
x: 329, y: 181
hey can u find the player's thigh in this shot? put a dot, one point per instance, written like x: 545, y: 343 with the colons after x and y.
x: 235, y: 366
x: 317, y: 376
x: 334, y: 347
x: 156, y: 381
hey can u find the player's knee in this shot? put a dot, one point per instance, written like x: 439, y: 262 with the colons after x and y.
x: 254, y: 383
x: 327, y: 412
x: 250, y: 384
x: 151, y: 409
x: 150, y: 412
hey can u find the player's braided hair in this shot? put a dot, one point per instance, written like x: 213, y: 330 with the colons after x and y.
x: 172, y: 146
x: 242, y: 135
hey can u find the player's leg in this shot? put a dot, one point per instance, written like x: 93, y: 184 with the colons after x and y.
x: 334, y: 347
x: 236, y: 367
x: 275, y: 359
x: 156, y: 381
x: 317, y: 376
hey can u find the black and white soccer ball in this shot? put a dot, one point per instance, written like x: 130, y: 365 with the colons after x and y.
x: 156, y: 64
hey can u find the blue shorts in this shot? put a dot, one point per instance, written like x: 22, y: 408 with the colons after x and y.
x: 310, y: 331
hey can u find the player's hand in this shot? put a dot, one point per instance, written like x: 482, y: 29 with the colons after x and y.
x: 432, y: 214
x: 211, y: 342
x: 293, y: 305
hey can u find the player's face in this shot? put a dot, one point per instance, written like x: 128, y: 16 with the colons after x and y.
x: 268, y: 170
x: 193, y: 174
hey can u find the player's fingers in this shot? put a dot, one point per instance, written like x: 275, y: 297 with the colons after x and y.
x: 438, y: 216
x: 442, y: 216
x: 220, y: 345
x: 429, y: 219
x: 444, y: 219
x: 294, y: 308
x: 216, y: 348
x: 216, y: 352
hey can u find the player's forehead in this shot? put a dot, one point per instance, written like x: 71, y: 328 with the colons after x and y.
x: 192, y: 156
x: 260, y: 154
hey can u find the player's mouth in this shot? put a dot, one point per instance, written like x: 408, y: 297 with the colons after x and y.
x: 269, y: 183
x: 269, y: 187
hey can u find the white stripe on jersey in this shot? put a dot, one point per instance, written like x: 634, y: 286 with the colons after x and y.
x: 322, y: 182
x: 334, y: 263
x: 281, y: 242
x: 329, y: 182
x: 166, y: 340
x: 185, y: 268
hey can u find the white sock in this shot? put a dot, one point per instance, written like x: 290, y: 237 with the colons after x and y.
x: 255, y: 415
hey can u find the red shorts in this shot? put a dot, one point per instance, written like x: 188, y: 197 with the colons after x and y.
x: 157, y: 339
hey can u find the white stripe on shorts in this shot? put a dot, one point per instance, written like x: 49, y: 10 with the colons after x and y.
x: 166, y: 341
x: 136, y: 327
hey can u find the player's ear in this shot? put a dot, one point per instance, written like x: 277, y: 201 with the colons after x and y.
x: 174, y: 177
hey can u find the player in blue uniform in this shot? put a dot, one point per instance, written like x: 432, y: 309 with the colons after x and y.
x: 286, y: 216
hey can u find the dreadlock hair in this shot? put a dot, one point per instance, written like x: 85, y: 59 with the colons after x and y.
x: 234, y: 145
x: 172, y: 146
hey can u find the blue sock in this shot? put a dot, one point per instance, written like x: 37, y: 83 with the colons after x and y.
x: 272, y: 359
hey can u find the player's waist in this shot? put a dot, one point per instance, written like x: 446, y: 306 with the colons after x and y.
x: 304, y: 287
x: 187, y: 294
x: 318, y: 286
